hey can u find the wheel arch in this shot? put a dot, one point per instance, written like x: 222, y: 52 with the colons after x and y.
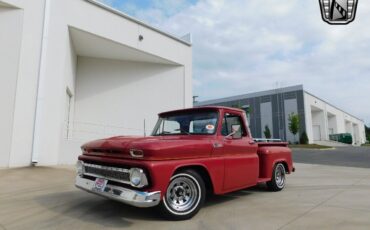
x: 285, y: 164
x: 203, y: 172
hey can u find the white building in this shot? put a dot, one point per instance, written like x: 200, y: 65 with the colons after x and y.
x: 272, y: 108
x: 75, y: 70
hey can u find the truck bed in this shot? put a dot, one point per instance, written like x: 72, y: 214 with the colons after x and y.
x: 271, y: 153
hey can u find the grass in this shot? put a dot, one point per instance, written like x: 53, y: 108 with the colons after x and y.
x: 366, y: 145
x: 310, y: 146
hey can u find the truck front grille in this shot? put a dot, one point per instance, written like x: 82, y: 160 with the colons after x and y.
x: 121, y: 175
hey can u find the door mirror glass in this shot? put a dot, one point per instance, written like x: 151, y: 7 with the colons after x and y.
x: 232, y: 126
x: 236, y: 131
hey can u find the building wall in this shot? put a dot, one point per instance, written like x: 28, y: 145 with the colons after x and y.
x: 48, y: 66
x: 269, y: 107
x: 27, y: 81
x: 290, y: 108
x: 266, y: 118
x: 317, y: 117
x: 133, y: 91
x: 328, y: 117
x: 11, y: 20
x: 114, y: 97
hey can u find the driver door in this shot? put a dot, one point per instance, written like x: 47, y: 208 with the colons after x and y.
x: 240, y: 154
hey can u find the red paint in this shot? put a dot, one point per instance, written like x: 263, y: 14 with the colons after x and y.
x: 232, y: 164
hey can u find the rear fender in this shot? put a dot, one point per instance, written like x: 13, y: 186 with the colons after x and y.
x: 269, y: 156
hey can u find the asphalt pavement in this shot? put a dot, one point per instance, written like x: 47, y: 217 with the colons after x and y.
x: 316, y: 197
x: 340, y: 156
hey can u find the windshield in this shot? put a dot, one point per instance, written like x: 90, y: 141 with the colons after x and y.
x: 193, y: 123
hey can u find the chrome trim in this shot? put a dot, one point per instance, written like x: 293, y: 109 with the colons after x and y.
x: 80, y: 167
x: 266, y: 140
x: 143, y: 178
x: 133, y: 153
x: 107, y: 168
x: 124, y: 195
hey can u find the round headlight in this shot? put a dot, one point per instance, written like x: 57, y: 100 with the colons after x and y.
x: 80, y: 167
x: 135, y: 176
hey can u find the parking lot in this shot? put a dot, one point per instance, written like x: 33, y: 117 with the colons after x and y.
x: 316, y: 197
x: 340, y: 156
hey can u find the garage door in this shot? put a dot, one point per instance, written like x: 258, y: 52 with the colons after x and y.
x: 316, y: 133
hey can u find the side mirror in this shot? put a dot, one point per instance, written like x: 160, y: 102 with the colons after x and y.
x: 235, y: 132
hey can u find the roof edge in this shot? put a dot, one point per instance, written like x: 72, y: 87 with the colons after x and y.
x: 126, y: 16
x: 211, y: 107
x: 253, y: 94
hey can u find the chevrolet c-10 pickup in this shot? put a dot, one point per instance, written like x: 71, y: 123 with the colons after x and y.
x: 190, y: 154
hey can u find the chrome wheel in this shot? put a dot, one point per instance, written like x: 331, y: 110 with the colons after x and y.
x: 277, y: 182
x: 183, y: 194
x: 280, y: 175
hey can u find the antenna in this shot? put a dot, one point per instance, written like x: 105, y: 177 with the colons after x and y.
x: 144, y: 129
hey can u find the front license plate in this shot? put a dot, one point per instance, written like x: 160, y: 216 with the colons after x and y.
x: 100, y: 184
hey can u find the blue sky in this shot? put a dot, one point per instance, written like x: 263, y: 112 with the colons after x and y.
x: 242, y: 46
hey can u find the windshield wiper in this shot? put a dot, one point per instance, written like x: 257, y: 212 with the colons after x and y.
x: 163, y: 133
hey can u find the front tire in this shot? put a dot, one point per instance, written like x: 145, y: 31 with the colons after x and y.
x: 184, y: 197
x: 277, y: 182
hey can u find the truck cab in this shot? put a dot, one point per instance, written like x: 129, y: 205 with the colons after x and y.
x: 190, y: 153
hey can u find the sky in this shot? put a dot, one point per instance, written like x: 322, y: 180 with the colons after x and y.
x: 244, y: 46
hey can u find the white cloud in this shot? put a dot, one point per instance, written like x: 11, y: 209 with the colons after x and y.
x: 246, y: 46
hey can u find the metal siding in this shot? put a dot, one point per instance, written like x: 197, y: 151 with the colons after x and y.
x: 275, y: 116
x: 301, y: 112
x: 278, y: 111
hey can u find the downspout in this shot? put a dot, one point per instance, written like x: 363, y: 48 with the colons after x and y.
x: 40, y: 86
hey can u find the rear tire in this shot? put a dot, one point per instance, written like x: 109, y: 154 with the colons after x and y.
x: 184, y: 197
x: 277, y: 182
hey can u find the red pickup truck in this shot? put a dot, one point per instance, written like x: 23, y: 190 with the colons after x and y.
x: 191, y: 153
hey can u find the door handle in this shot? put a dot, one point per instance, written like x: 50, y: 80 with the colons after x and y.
x: 217, y: 145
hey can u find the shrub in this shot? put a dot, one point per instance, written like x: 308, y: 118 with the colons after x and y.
x: 267, y: 132
x: 304, y: 139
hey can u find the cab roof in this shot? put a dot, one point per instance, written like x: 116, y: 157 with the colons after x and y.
x: 202, y: 108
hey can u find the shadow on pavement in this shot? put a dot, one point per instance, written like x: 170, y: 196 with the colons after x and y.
x: 214, y: 200
x: 90, y: 208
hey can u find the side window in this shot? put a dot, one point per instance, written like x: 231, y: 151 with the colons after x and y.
x: 230, y: 120
x: 171, y: 126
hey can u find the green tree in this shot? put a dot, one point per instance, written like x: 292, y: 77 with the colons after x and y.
x: 267, y: 132
x: 367, y: 130
x: 293, y: 124
x: 304, y: 139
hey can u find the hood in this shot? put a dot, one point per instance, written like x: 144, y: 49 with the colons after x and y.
x: 154, y: 147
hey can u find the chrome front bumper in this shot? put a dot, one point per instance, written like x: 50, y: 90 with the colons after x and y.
x: 124, y: 195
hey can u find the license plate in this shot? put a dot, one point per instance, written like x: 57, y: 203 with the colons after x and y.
x: 100, y: 184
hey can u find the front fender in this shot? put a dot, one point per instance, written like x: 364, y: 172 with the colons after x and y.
x: 162, y: 171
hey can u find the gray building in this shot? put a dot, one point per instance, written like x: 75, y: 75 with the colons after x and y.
x: 272, y: 108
